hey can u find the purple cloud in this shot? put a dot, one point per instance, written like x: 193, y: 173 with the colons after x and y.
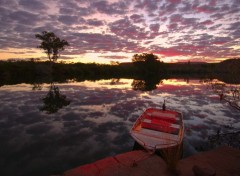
x: 24, y: 17
x: 206, y: 27
x: 207, y: 22
x: 68, y: 19
x: 205, y: 9
x: 154, y: 27
x: 136, y: 18
x: 102, y: 43
x: 126, y: 29
x: 33, y: 5
x: 95, y: 22
x: 110, y: 8
x: 149, y: 5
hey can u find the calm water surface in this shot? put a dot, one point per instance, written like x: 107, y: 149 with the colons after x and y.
x: 91, y: 120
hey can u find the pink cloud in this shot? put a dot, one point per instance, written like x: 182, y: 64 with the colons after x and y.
x: 154, y: 27
x: 175, y: 1
x: 149, y: 5
x: 170, y: 52
x: 125, y: 28
x: 137, y: 23
x: 137, y: 18
x: 205, y: 9
x: 176, y: 18
x: 212, y: 2
x: 173, y: 26
x: 207, y: 22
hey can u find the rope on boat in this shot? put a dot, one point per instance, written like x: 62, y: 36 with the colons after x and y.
x: 135, y: 162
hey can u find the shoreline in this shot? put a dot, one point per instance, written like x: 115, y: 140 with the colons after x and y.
x: 139, y: 162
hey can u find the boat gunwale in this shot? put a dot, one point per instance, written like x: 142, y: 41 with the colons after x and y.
x: 140, y: 119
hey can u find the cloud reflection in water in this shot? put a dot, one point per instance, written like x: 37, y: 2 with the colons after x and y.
x: 97, y: 121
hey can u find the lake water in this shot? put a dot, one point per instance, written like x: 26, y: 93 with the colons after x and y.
x: 46, y: 129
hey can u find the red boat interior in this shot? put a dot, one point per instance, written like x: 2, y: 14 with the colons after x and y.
x: 163, y: 122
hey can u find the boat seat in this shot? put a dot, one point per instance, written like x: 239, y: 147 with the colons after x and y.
x: 160, y: 125
x: 153, y: 138
x: 161, y: 116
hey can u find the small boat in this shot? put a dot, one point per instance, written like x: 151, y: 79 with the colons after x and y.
x: 158, y: 129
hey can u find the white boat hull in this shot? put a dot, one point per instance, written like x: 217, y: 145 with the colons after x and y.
x: 157, y: 129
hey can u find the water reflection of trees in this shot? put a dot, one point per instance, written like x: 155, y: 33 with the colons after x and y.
x: 37, y: 86
x: 146, y: 84
x: 227, y: 92
x: 230, y: 139
x: 114, y: 81
x: 54, y: 100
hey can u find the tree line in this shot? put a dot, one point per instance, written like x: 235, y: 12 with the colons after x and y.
x: 144, y: 66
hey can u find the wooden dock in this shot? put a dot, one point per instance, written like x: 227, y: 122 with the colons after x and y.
x: 224, y: 161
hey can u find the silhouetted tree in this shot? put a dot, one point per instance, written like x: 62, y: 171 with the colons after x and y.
x: 148, y: 84
x: 148, y: 63
x: 51, y: 44
x: 145, y: 57
x: 114, y: 63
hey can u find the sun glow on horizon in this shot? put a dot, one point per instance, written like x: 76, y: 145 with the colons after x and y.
x: 179, y: 82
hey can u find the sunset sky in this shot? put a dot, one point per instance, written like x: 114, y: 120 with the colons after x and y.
x: 114, y: 30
